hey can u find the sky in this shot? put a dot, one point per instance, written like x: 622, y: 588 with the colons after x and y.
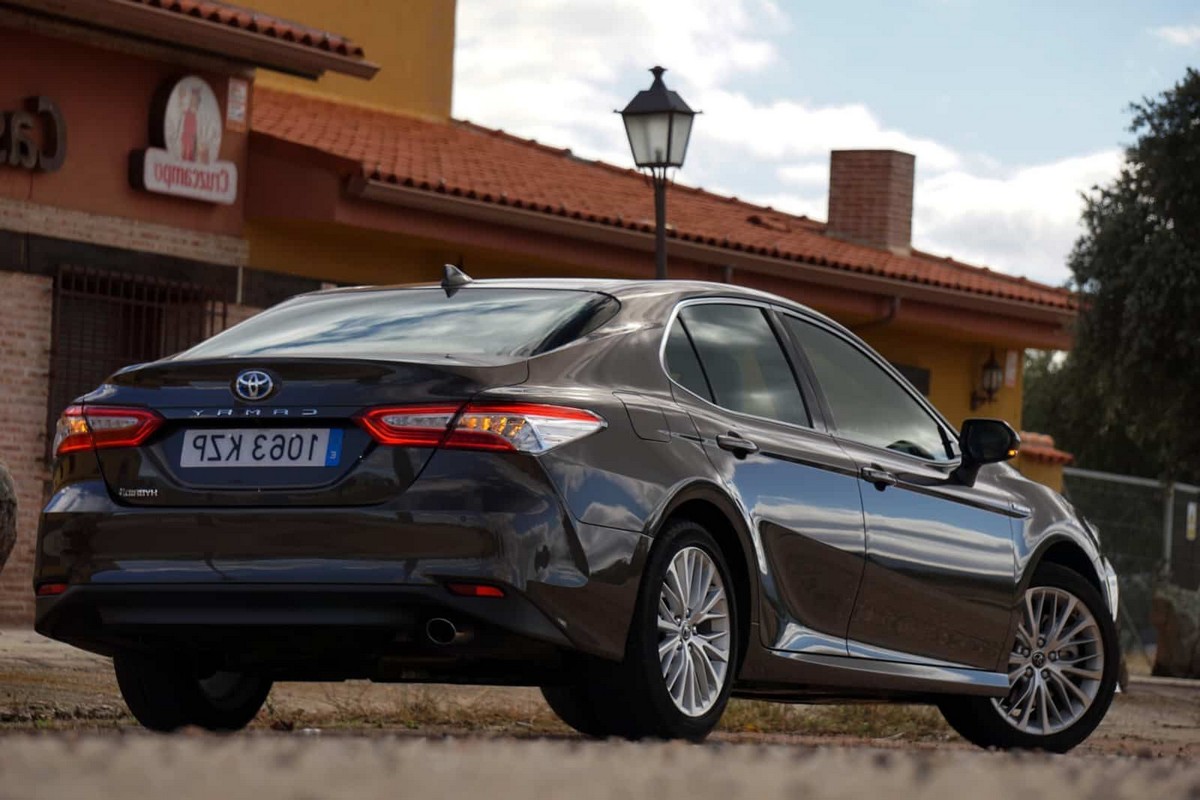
x: 1012, y: 109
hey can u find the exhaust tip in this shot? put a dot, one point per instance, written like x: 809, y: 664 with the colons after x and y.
x: 442, y: 631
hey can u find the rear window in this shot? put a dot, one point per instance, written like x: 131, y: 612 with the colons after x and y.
x: 474, y: 324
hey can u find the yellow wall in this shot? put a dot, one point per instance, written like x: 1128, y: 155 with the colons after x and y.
x: 955, y: 370
x: 1048, y: 474
x: 411, y: 40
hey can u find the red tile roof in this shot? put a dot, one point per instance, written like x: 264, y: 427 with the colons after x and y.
x: 466, y: 160
x: 255, y: 22
x: 1040, y: 447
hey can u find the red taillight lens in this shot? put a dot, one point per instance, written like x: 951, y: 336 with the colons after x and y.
x: 84, y: 428
x: 523, y: 427
x: 408, y: 426
x: 51, y: 589
x: 475, y: 590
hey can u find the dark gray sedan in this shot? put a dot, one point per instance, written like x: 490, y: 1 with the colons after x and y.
x: 644, y: 497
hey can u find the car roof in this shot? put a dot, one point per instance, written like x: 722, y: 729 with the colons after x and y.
x: 620, y: 289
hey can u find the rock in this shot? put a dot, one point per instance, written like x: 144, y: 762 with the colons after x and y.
x: 8, y: 515
x: 1175, y: 613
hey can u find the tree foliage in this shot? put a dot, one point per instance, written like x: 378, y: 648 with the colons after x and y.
x: 1128, y: 396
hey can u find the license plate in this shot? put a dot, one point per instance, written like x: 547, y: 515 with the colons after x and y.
x: 275, y: 447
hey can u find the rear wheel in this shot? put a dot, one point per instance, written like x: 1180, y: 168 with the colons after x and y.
x: 1062, y: 671
x: 165, y: 695
x: 681, y: 653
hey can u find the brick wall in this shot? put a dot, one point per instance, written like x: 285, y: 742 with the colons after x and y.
x: 25, y: 326
x: 871, y: 197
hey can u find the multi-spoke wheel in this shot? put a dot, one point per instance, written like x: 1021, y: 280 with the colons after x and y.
x: 1061, y: 672
x: 681, y: 654
x: 693, y: 631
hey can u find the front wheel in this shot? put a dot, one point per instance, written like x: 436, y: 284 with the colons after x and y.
x: 1062, y: 671
x: 165, y: 695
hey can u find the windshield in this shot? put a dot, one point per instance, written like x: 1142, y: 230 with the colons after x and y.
x: 475, y: 323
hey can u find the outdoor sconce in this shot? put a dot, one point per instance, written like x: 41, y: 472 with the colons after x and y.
x: 991, y: 381
x: 658, y: 124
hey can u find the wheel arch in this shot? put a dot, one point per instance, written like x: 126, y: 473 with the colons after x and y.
x: 706, y: 505
x: 1069, y: 553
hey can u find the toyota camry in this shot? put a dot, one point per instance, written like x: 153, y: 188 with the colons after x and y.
x: 642, y: 497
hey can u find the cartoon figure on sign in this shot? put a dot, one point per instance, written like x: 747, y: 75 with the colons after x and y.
x: 192, y: 122
x: 188, y: 130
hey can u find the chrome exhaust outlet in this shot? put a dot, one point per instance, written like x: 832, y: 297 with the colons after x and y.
x: 442, y: 631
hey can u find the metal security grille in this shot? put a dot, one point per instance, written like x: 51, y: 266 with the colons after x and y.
x: 106, y: 320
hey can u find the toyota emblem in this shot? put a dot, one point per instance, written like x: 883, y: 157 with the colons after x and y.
x: 253, y: 384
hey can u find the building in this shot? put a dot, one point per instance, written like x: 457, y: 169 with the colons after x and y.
x: 172, y: 166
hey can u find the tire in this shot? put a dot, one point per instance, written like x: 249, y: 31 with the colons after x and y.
x: 1001, y: 723
x: 165, y: 696
x: 574, y: 705
x: 632, y: 699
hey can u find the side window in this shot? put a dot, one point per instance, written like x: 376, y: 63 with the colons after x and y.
x: 868, y: 405
x: 682, y: 364
x: 744, y: 362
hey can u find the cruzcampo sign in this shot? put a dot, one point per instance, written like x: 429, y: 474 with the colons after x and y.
x: 184, y: 159
x: 20, y: 144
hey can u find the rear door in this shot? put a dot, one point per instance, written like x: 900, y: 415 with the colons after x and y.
x: 796, y: 486
x: 940, y: 562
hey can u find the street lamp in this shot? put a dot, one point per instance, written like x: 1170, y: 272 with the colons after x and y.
x: 658, y: 124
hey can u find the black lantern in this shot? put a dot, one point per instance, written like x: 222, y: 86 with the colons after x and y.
x: 658, y: 124
x: 991, y: 381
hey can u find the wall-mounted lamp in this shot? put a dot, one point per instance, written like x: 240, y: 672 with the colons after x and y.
x: 991, y: 381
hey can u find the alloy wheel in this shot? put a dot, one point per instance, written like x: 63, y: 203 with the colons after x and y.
x: 693, y: 627
x: 1056, y: 664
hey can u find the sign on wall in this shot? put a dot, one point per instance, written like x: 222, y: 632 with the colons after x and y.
x: 20, y: 145
x: 185, y: 128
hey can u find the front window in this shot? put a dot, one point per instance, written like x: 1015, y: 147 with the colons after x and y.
x: 867, y: 403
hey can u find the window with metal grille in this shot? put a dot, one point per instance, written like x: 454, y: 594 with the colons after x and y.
x: 107, y: 320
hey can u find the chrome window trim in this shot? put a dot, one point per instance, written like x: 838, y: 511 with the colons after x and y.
x: 739, y: 301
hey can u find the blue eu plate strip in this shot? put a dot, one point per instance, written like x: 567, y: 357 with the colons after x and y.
x: 334, y: 453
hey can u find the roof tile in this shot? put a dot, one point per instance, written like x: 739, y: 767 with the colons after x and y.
x: 464, y: 159
x: 255, y: 22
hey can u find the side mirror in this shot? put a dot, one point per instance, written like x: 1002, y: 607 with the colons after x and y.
x: 984, y: 441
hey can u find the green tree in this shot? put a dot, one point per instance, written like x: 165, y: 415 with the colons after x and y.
x: 1129, y: 392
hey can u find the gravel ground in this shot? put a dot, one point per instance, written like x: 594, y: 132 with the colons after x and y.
x: 64, y: 729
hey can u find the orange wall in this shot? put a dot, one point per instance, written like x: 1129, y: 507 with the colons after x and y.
x: 105, y: 99
x: 411, y: 40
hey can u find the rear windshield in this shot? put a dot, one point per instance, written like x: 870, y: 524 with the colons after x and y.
x: 475, y: 324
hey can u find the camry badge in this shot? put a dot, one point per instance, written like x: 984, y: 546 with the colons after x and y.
x: 253, y: 384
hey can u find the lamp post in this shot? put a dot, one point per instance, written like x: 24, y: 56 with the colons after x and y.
x: 658, y: 124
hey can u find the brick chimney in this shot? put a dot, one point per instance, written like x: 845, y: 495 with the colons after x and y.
x: 871, y: 198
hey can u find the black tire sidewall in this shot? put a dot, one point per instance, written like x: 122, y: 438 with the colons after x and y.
x: 165, y: 695
x: 664, y: 719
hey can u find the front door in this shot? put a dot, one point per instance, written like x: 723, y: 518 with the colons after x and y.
x: 798, y: 489
x: 940, y: 578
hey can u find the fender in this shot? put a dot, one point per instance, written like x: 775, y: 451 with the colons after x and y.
x: 709, y: 492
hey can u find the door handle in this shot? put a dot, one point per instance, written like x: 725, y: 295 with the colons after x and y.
x: 878, y: 476
x: 737, y: 445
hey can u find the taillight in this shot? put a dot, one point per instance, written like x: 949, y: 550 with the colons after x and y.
x: 408, y: 426
x: 521, y: 427
x: 81, y: 428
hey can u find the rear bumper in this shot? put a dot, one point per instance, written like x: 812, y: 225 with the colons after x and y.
x: 330, y: 632
x: 384, y: 569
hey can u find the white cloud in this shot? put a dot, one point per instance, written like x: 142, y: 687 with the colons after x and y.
x: 1180, y: 35
x: 555, y: 71
x: 1024, y: 221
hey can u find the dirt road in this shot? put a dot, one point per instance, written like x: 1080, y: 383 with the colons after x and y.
x: 64, y: 732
